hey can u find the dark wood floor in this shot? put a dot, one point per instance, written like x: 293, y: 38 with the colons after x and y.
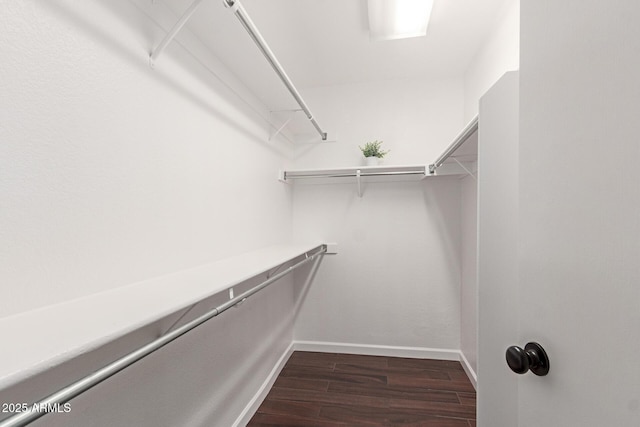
x: 327, y: 389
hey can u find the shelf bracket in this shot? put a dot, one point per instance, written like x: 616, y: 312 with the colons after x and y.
x: 280, y: 129
x: 464, y: 168
x: 182, y: 316
x: 469, y: 129
x: 155, y: 53
x: 291, y: 113
x: 358, y: 179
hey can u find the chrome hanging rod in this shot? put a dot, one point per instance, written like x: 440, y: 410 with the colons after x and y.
x: 248, y: 25
x: 61, y: 397
x: 462, y: 137
x: 297, y: 175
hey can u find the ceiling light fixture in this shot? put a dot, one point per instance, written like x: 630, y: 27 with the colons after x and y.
x: 398, y: 19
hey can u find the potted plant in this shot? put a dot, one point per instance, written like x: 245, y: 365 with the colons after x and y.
x: 373, y: 153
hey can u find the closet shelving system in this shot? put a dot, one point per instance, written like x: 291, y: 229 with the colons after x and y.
x: 361, y: 174
x: 458, y: 158
x: 164, y: 296
x: 161, y: 295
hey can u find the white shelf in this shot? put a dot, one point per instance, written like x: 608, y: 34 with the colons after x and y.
x: 379, y: 173
x: 87, y: 323
x: 356, y: 174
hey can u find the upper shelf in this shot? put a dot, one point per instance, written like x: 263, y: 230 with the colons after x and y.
x: 243, y: 17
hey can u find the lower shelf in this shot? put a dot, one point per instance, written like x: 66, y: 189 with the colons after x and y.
x: 88, y: 323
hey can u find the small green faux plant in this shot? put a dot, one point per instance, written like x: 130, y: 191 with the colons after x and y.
x: 372, y: 149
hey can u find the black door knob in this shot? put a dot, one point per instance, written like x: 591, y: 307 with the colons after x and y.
x: 533, y: 358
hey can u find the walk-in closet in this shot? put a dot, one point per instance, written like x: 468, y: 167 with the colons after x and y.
x: 219, y: 213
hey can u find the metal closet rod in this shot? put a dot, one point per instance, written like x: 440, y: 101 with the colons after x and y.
x: 288, y: 175
x: 248, y: 25
x: 64, y: 395
x: 462, y: 137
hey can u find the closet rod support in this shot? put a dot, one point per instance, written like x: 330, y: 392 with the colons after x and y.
x: 155, y: 53
x: 462, y: 137
x: 182, y: 316
x: 465, y: 169
x: 278, y: 130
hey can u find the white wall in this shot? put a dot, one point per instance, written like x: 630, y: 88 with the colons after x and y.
x: 416, y: 119
x: 395, y: 281
x: 469, y: 272
x: 500, y: 53
x: 497, y: 252
x: 111, y: 172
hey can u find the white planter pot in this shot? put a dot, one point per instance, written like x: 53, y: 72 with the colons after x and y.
x: 372, y: 161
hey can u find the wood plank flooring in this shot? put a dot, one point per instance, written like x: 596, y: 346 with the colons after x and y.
x: 328, y: 389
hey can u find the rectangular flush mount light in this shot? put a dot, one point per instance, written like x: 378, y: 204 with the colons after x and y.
x: 398, y: 19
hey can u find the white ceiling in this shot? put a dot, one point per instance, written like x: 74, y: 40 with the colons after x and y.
x: 326, y: 42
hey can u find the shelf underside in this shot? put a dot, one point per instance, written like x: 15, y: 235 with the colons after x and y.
x: 366, y: 173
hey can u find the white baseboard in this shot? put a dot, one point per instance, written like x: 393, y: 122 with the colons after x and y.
x: 256, y: 401
x: 473, y: 377
x: 378, y: 350
x: 349, y: 348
